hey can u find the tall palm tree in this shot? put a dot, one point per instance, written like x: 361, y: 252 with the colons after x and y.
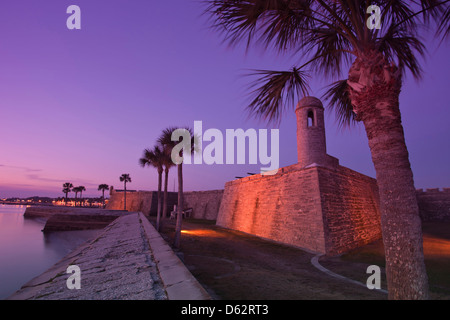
x: 67, y: 187
x: 169, y: 145
x: 76, y: 190
x: 154, y: 158
x: 125, y: 178
x: 103, y: 187
x: 81, y: 189
x: 332, y: 36
x: 168, y: 163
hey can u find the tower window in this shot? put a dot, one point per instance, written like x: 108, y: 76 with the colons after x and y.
x: 310, y: 119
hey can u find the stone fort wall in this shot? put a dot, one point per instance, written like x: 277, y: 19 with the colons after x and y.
x: 320, y: 209
x: 328, y: 210
x: 205, y: 204
x: 434, y: 204
x: 139, y: 201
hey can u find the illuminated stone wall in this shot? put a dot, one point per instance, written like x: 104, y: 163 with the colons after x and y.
x: 325, y: 210
x: 205, y: 204
x: 434, y: 204
x: 139, y: 201
x: 350, y: 208
x: 285, y: 207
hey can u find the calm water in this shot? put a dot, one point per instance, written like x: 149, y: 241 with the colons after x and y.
x: 25, y: 252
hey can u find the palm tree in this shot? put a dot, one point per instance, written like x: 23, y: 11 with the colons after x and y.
x: 81, y: 189
x: 103, y: 188
x: 332, y: 36
x: 67, y: 187
x: 76, y: 190
x: 154, y: 158
x: 168, y: 163
x: 125, y: 178
x: 169, y: 146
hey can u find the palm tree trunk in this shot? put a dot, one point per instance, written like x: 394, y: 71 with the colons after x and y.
x: 166, y: 178
x: 158, y: 213
x: 103, y: 198
x: 125, y: 197
x: 375, y: 89
x: 179, y: 207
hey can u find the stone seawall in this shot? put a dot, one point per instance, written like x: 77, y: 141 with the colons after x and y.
x: 73, y: 218
x: 128, y: 260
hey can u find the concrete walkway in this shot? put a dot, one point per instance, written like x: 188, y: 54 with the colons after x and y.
x: 127, y: 260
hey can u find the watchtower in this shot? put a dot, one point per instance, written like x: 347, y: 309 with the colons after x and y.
x: 311, y: 142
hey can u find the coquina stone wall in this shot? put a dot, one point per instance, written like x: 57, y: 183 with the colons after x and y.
x: 139, y: 201
x: 204, y: 204
x: 321, y: 209
x: 350, y: 209
x: 434, y: 204
x: 285, y: 207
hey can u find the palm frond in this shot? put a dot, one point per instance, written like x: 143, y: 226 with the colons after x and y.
x: 276, y: 91
x: 281, y: 23
x: 330, y: 51
x: 396, y: 12
x: 433, y: 10
x: 401, y: 45
x: 444, y: 25
x: 165, y: 139
x: 154, y: 157
x: 125, y: 177
x: 327, y: 33
x: 339, y: 100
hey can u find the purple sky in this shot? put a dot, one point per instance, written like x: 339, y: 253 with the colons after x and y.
x: 81, y: 105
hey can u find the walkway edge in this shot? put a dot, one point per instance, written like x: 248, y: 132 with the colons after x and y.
x: 179, y: 282
x: 315, y: 263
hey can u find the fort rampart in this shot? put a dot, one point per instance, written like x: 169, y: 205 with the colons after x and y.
x: 434, y: 204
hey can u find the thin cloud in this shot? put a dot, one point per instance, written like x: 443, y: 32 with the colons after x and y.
x: 26, y: 169
x: 37, y: 177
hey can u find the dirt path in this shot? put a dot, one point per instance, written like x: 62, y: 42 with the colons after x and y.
x: 236, y: 266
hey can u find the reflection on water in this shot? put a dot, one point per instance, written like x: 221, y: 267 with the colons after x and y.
x: 26, y: 252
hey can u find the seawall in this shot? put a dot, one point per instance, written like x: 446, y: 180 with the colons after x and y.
x: 127, y: 260
x: 73, y: 218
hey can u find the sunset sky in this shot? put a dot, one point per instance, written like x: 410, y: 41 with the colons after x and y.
x: 80, y: 106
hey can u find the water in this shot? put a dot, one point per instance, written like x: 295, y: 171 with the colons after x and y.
x: 26, y: 252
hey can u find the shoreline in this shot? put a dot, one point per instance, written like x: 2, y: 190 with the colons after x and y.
x: 26, y: 251
x: 73, y: 218
x: 127, y: 260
